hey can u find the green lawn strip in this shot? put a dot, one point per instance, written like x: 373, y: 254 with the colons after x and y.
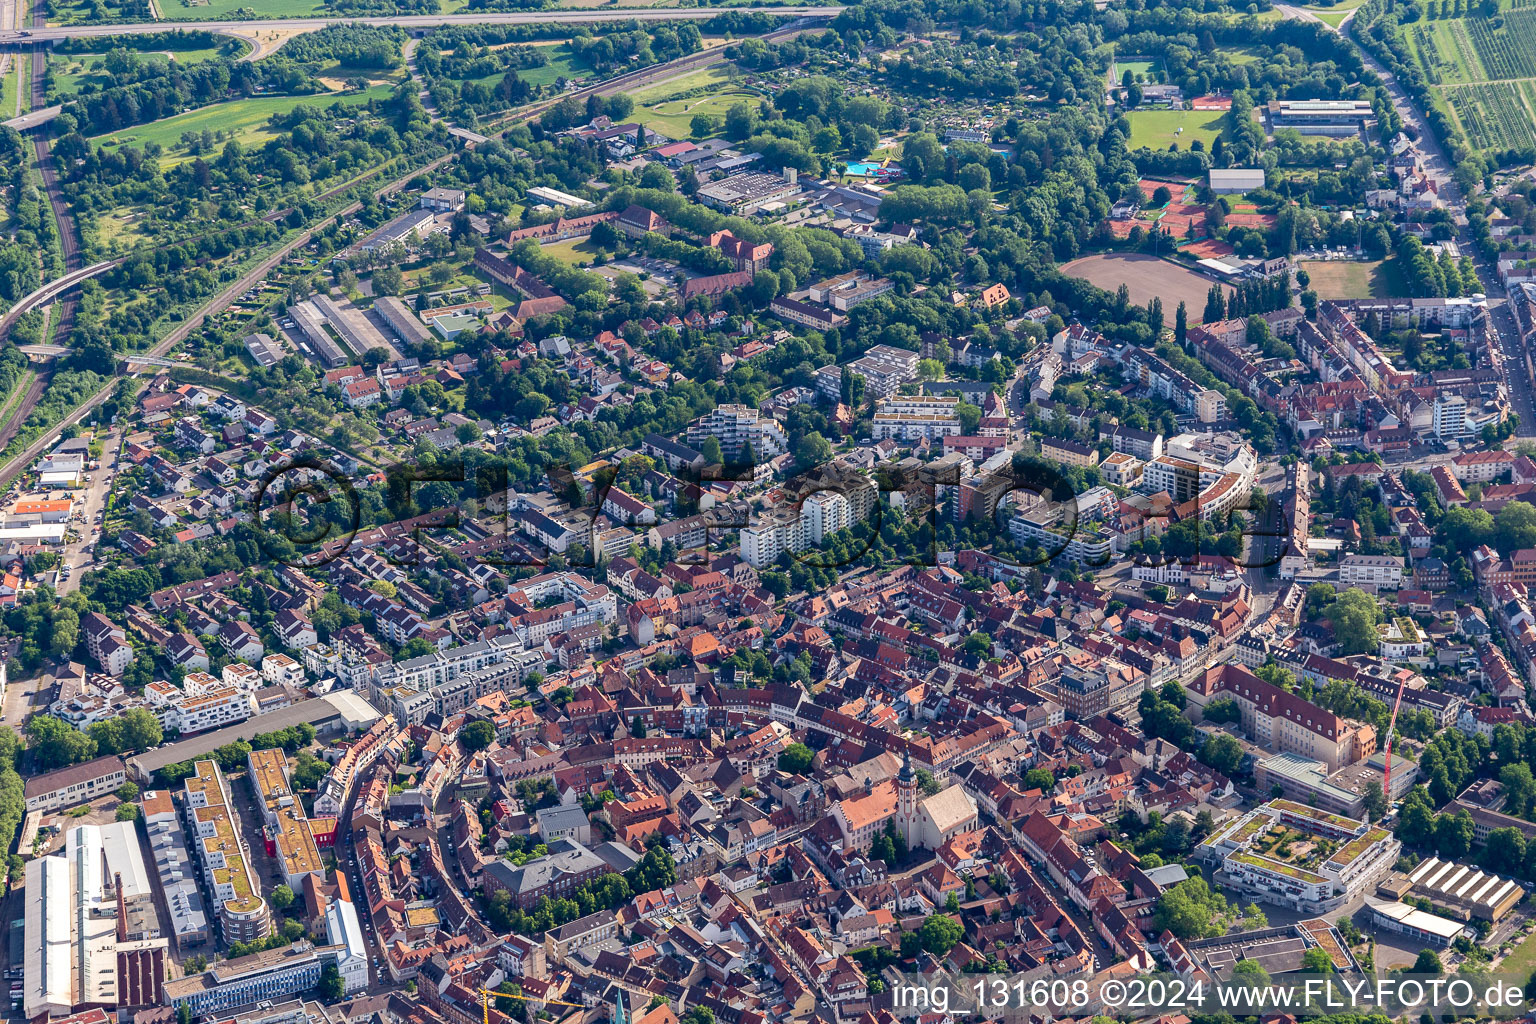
x: 246, y: 118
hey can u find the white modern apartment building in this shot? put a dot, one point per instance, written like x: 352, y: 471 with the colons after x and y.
x: 787, y: 529
x: 1216, y: 471
x: 735, y: 427
x: 914, y: 417
x: 1450, y: 416
x: 1384, y: 572
x: 1306, y: 877
x: 205, y: 703
x: 445, y: 682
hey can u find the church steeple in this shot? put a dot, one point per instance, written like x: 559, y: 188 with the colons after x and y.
x: 620, y: 1015
x: 906, y: 795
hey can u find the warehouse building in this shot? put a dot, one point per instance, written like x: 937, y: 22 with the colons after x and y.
x: 91, y: 930
x: 1417, y: 924
x: 402, y: 320
x: 1462, y: 891
x: 311, y: 322
x: 354, y: 326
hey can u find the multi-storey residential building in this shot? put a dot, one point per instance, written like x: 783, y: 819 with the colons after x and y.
x: 736, y: 427
x: 1360, y: 855
x: 1450, y: 416
x: 107, y: 643
x: 1088, y: 690
x: 785, y: 529
x: 210, y: 709
x: 288, y: 830
x: 884, y: 369
x: 913, y: 417
x: 1179, y: 477
x: 845, y: 291
x: 235, y: 887
x: 1069, y: 452
x: 1482, y: 467
x: 446, y: 682
x: 1385, y: 572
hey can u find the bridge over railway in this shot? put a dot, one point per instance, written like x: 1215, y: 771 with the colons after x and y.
x: 45, y: 352
x: 50, y: 291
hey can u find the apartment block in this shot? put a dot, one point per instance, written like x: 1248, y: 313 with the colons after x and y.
x: 914, y: 417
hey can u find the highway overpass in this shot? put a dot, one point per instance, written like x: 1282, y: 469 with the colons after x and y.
x: 52, y: 290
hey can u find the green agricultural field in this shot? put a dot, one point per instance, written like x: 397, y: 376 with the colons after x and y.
x: 216, y: 10
x: 670, y: 107
x: 1494, y: 115
x: 246, y: 119
x: 1446, y: 52
x: 1158, y: 129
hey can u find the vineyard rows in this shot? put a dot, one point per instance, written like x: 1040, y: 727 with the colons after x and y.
x: 1465, y: 56
x: 1509, y: 51
x: 1429, y: 53
x: 1493, y: 115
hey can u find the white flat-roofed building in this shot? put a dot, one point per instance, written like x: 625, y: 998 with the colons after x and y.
x: 268, y: 975
x: 343, y: 929
x: 1418, y: 924
x: 1381, y: 571
x: 787, y: 529
x: 1235, y: 180
x: 736, y: 426
x: 914, y: 417
x: 1321, y: 117
x: 1316, y: 883
x: 47, y: 979
x: 555, y: 197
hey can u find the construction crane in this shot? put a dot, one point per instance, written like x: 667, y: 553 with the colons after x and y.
x: 486, y: 994
x: 1386, y: 786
